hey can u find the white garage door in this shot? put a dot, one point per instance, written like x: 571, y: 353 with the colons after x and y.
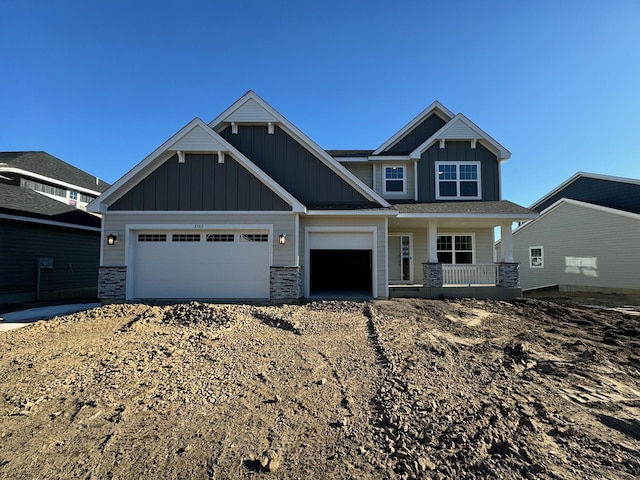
x: 211, y: 264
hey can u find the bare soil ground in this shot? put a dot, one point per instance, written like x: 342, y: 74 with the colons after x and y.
x: 390, y: 389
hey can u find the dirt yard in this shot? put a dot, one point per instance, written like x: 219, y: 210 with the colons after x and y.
x: 387, y: 389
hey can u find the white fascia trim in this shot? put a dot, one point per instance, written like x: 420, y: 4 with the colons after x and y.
x: 102, y: 201
x: 198, y: 226
x: 632, y: 181
x: 570, y: 201
x: 484, y: 138
x: 442, y: 111
x: 391, y: 158
x: 353, y: 213
x: 69, y: 186
x: 113, y: 213
x: 500, y: 216
x: 41, y: 221
x: 298, y: 135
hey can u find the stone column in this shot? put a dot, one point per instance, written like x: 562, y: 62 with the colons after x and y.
x: 509, y: 275
x: 285, y: 284
x: 112, y: 283
x: 432, y: 275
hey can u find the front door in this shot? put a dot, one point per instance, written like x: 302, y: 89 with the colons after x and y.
x: 400, y: 259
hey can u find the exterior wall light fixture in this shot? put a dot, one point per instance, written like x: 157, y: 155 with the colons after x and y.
x: 283, y: 238
x: 112, y: 238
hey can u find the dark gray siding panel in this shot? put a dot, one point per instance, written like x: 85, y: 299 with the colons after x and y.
x: 201, y: 183
x: 294, y: 167
x: 75, y: 253
x: 458, y: 151
x: 607, y: 193
x: 417, y: 136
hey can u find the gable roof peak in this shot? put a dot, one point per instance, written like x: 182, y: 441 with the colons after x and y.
x: 434, y: 107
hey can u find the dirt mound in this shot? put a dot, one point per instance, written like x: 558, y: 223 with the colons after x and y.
x: 389, y: 389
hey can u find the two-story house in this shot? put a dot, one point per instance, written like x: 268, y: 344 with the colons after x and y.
x: 249, y: 207
x: 49, y: 246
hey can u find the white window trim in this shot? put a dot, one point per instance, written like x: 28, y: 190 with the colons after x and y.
x: 531, y: 265
x: 458, y: 234
x: 457, y: 164
x: 404, y: 180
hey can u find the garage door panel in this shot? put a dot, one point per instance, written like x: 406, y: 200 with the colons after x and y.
x: 237, y: 269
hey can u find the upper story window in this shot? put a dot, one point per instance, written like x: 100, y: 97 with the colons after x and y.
x: 458, y: 180
x: 395, y: 180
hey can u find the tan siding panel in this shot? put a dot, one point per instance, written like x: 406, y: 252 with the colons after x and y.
x: 364, y: 172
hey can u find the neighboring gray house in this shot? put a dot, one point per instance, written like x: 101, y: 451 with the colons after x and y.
x: 249, y: 207
x: 49, y: 246
x: 586, y: 238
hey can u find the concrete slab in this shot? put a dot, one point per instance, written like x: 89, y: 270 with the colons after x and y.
x: 22, y: 318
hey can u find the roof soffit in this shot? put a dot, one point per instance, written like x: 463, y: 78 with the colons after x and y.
x: 461, y: 128
x: 436, y: 107
x: 196, y: 136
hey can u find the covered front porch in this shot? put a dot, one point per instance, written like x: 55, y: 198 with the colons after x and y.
x: 447, y: 250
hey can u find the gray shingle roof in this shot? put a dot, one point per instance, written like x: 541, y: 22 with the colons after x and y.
x: 501, y: 207
x: 20, y: 201
x: 47, y: 165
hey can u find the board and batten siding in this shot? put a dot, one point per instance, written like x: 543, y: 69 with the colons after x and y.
x: 292, y: 166
x: 363, y: 171
x: 340, y: 223
x: 416, y: 136
x: 583, y: 247
x: 457, y: 151
x: 116, y: 222
x: 200, y: 183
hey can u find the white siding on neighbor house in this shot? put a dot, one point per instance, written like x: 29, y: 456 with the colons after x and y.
x: 352, y: 221
x: 197, y: 140
x: 364, y: 171
x: 283, y: 255
x: 409, y: 171
x: 583, y: 247
x: 250, y: 111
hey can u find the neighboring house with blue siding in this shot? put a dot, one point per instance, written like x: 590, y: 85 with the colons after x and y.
x: 247, y: 206
x: 49, y: 246
x: 587, y: 237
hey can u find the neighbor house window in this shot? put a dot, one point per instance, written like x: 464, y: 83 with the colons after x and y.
x: 458, y: 180
x: 395, y: 180
x: 455, y: 249
x: 536, y: 257
x: 73, y: 197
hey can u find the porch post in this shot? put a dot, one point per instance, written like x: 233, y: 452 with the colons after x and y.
x: 433, y: 241
x: 506, y: 243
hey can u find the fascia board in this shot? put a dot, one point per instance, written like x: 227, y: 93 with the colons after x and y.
x: 299, y: 136
x: 497, y: 216
x: 573, y: 178
x: 434, y: 107
x: 103, y: 200
x: 483, y: 137
x: 353, y: 213
x: 56, y: 181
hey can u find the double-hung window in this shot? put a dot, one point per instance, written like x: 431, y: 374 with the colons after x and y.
x: 458, y: 181
x: 536, y: 257
x: 455, y: 248
x: 395, y: 180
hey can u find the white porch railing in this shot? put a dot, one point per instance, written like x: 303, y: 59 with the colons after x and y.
x: 469, y: 274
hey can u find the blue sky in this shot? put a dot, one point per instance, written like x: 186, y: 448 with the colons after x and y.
x: 102, y: 84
